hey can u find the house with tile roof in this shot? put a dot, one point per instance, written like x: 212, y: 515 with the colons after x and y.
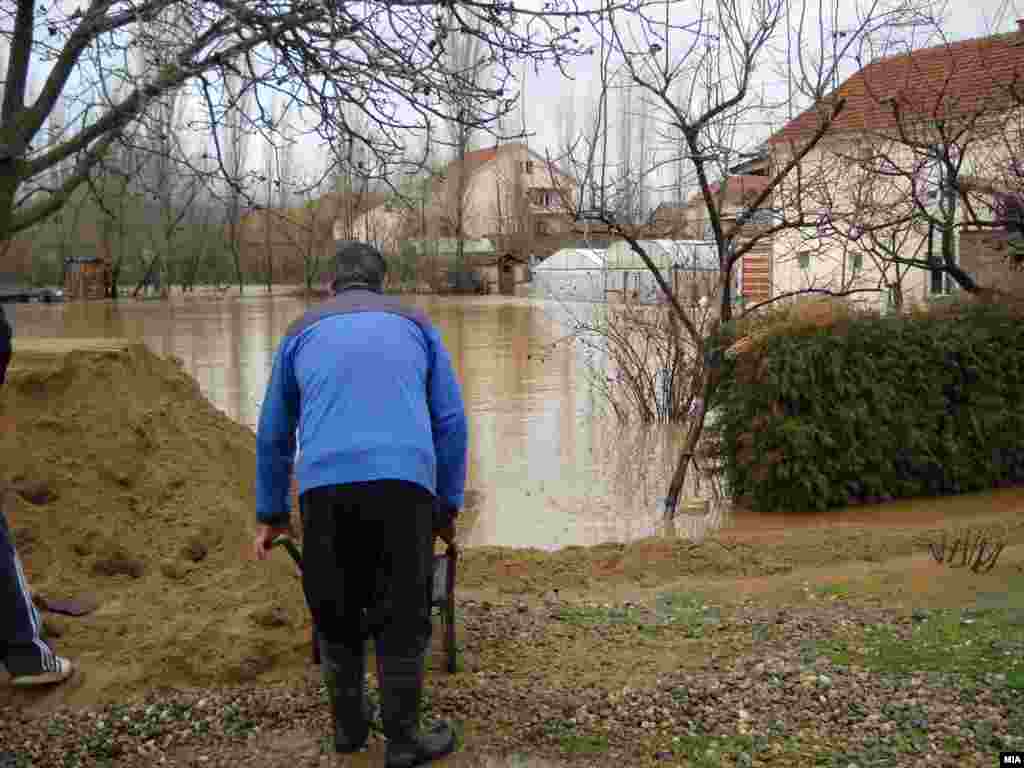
x: 507, y: 189
x: 889, y: 177
x: 689, y: 218
x: 732, y: 197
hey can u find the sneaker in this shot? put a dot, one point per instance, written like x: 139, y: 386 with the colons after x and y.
x: 47, y: 677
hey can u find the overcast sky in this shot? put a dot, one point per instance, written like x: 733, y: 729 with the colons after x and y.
x: 550, y: 99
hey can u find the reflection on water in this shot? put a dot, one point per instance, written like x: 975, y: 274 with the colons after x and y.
x: 551, y: 470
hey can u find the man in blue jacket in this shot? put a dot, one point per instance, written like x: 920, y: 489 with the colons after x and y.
x: 371, y: 390
x: 28, y: 658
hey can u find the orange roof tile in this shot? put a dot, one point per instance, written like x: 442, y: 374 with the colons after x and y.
x: 964, y: 78
x: 480, y: 157
x: 739, y: 188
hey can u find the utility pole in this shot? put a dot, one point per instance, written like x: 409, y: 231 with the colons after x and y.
x: 789, y: 60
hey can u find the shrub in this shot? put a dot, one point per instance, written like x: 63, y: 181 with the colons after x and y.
x: 852, y: 407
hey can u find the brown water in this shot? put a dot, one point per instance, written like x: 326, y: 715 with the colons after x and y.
x: 551, y: 470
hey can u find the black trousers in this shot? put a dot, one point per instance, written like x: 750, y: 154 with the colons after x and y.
x: 367, y: 564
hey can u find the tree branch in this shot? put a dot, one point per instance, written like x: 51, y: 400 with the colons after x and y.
x: 20, y: 54
x: 53, y: 201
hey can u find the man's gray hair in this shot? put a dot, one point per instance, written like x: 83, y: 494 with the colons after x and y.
x: 358, y: 264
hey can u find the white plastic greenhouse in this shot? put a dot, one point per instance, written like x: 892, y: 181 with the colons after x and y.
x: 581, y: 274
x: 682, y: 263
x: 571, y: 274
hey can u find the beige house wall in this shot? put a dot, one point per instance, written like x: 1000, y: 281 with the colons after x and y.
x: 496, y: 201
x: 831, y: 183
x: 495, y: 194
x: 381, y: 226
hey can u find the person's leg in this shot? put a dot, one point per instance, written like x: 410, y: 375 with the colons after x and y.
x: 402, y: 518
x: 336, y: 591
x: 27, y: 657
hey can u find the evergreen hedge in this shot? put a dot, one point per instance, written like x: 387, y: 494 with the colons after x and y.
x: 873, y: 408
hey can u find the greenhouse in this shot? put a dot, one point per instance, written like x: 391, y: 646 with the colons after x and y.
x: 581, y: 274
x: 689, y: 266
x: 571, y: 274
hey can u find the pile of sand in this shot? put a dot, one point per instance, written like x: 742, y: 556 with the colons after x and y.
x: 128, y: 486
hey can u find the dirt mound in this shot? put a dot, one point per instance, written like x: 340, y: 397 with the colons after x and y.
x: 127, y: 485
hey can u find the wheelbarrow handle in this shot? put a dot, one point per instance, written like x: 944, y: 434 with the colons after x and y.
x: 289, y: 544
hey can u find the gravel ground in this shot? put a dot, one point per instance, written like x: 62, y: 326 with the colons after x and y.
x: 740, y: 686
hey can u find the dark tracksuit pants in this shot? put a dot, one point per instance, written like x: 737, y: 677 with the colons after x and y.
x: 367, y: 565
x: 21, y: 648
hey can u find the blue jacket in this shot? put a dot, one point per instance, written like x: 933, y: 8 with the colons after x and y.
x: 371, y: 389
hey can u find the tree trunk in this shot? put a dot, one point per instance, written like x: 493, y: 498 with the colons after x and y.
x: 269, y: 250
x: 709, y: 383
x: 8, y: 193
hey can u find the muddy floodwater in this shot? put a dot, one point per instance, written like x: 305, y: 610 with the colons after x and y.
x: 550, y: 468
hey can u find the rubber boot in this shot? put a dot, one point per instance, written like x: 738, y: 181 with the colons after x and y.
x: 345, y: 678
x: 401, y: 687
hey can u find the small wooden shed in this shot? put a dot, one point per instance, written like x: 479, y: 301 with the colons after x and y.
x: 86, y: 277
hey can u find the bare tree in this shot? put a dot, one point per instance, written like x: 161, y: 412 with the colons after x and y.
x: 466, y: 66
x: 353, y: 171
x: 271, y: 179
x: 379, y: 57
x: 62, y: 233
x: 312, y: 231
x: 235, y: 142
x: 171, y: 185
x: 625, y: 191
x: 119, y: 199
x: 715, y: 57
x: 204, y: 227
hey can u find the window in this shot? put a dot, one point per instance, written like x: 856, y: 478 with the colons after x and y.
x: 544, y: 198
x: 939, y: 282
x: 526, y: 167
x: 759, y: 216
x: 804, y: 259
x: 931, y: 182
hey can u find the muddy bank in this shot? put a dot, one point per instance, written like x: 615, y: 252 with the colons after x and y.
x: 129, y: 487
x: 728, y: 554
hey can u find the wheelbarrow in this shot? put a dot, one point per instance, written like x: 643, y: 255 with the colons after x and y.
x: 442, y: 595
